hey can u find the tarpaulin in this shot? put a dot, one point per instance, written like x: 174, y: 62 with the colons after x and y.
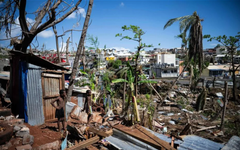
x: 23, y: 69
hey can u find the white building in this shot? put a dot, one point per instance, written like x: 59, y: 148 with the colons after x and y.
x: 144, y: 58
x: 166, y: 66
x: 221, y: 50
x: 166, y: 59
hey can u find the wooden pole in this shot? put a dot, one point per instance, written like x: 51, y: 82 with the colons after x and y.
x: 124, y: 93
x: 224, y: 106
x: 67, y: 50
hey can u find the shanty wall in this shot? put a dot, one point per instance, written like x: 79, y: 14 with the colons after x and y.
x: 34, y: 96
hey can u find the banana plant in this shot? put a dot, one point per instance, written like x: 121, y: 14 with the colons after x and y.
x: 130, y: 83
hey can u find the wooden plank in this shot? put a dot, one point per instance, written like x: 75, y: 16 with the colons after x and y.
x: 206, y: 128
x: 53, y: 71
x: 50, y: 96
x: 164, y: 144
x: 51, y: 120
x: 51, y: 75
x: 100, y: 133
x: 144, y: 136
x: 85, y: 143
x: 63, y: 81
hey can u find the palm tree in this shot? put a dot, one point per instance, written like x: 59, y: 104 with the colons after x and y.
x: 191, y: 23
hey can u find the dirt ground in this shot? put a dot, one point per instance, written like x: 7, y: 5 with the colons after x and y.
x: 43, y: 134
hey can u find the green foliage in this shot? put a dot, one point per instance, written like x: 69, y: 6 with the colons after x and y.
x: 115, y: 64
x: 83, y: 72
x: 93, y: 42
x: 119, y: 80
x: 138, y: 32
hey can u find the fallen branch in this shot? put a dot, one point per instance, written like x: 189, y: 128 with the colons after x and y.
x: 206, y: 128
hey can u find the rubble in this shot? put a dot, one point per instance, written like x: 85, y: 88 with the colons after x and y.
x: 28, y: 139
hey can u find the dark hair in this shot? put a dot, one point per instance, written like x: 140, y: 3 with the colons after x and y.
x: 88, y: 91
x: 62, y: 91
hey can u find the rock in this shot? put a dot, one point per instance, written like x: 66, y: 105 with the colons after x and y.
x: 16, y: 121
x: 9, y: 144
x: 2, y: 118
x: 23, y: 131
x: 28, y: 139
x: 16, y: 128
x: 24, y: 147
x: 8, y: 118
x: 6, y: 146
x: 16, y: 142
x: 53, y: 145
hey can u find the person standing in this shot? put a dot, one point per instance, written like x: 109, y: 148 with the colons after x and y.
x: 60, y: 109
x: 88, y: 105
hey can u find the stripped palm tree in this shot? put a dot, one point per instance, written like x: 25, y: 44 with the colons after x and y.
x: 191, y: 23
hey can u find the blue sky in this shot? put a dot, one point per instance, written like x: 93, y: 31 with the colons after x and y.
x: 108, y: 16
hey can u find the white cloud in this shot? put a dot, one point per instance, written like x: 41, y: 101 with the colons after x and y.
x: 213, y: 44
x: 72, y: 16
x: 122, y: 4
x: 81, y: 11
x: 46, y: 33
x: 1, y: 3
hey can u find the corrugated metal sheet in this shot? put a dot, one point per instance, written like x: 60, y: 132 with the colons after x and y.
x: 192, y: 142
x: 233, y: 144
x: 34, y: 97
x: 123, y: 141
x: 164, y: 137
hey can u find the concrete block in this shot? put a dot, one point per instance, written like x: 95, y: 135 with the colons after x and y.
x: 53, y: 145
x: 22, y: 132
x: 16, y: 128
x: 28, y: 139
x: 24, y: 147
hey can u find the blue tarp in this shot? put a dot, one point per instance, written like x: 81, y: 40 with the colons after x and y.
x: 23, y: 70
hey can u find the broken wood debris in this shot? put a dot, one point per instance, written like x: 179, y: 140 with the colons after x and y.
x: 84, y: 144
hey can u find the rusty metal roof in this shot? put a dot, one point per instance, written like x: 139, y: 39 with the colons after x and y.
x: 35, y: 60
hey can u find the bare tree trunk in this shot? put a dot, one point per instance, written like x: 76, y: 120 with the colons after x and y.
x: 124, y: 93
x: 79, y: 50
x: 56, y: 37
x: 214, y: 78
x: 136, y: 74
x: 234, y: 79
x: 191, y: 76
x: 224, y: 106
x: 67, y: 50
x: 84, y: 59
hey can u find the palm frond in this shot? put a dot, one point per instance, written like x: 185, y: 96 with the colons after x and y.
x: 189, y: 25
x: 119, y: 80
x: 171, y: 21
x: 184, y: 24
x: 147, y: 81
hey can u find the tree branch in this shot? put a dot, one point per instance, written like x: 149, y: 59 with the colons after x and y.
x: 22, y: 18
x: 51, y: 20
x: 41, y: 15
x: 67, y: 31
x: 64, y: 16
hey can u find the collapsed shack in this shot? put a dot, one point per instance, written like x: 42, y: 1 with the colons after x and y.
x: 32, y: 88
